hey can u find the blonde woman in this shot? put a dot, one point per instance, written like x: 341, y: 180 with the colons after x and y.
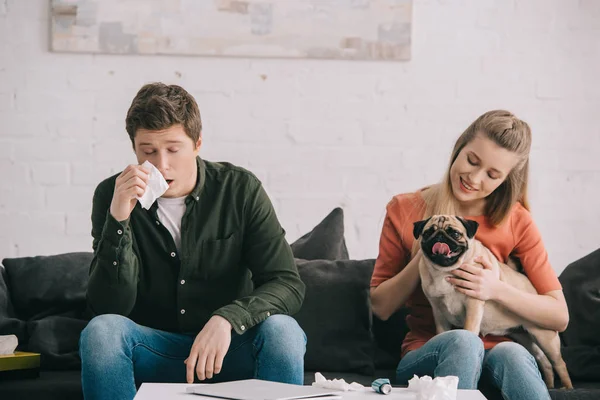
x: 486, y: 181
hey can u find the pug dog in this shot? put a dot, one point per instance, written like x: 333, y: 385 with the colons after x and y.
x: 447, y: 242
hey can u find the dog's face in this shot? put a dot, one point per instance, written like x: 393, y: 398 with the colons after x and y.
x: 444, y: 238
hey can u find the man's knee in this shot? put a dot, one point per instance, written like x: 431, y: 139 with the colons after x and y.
x: 282, y: 333
x: 103, y: 332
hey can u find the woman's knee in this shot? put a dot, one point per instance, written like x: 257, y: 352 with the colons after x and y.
x: 509, y: 354
x: 462, y: 342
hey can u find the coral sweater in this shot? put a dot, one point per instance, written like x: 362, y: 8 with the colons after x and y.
x: 517, y: 236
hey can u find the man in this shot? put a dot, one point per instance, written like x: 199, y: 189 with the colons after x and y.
x: 169, y: 284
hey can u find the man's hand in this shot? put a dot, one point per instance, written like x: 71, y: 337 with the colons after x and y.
x: 209, y: 349
x: 130, y: 184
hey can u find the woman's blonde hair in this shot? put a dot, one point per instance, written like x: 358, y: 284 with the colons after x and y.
x: 508, y: 132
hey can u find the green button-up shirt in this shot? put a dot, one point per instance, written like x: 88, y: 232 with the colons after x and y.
x: 234, y: 259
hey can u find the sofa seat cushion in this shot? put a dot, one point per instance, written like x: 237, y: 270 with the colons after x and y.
x: 51, y: 385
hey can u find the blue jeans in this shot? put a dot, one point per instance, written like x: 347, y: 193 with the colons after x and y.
x: 118, y: 355
x: 508, y: 366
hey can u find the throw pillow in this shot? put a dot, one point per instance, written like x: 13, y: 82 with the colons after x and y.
x: 581, y: 286
x: 336, y: 315
x: 9, y: 324
x: 48, y: 285
x: 56, y: 338
x: 325, y: 242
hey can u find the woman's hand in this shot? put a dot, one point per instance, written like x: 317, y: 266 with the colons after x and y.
x: 475, y: 281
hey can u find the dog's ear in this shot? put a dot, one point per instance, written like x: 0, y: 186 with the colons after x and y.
x: 470, y: 225
x: 418, y: 227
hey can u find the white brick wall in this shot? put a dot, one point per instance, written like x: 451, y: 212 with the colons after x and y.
x: 320, y: 134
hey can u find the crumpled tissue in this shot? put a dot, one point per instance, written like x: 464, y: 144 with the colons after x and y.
x: 8, y: 344
x: 440, y: 388
x: 336, y: 384
x: 156, y: 186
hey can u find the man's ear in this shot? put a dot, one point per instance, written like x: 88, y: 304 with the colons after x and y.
x: 470, y: 225
x: 418, y: 227
x: 198, y: 144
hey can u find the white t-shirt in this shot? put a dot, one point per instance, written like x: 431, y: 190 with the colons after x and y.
x: 170, y: 211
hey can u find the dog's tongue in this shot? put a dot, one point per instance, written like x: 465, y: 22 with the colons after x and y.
x: 440, y: 248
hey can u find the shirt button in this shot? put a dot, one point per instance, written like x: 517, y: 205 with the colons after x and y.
x: 182, y: 311
x: 183, y: 281
x: 157, y: 222
x: 114, y: 263
x: 197, y: 198
x: 120, y: 232
x: 243, y: 327
x: 173, y: 254
x: 268, y: 314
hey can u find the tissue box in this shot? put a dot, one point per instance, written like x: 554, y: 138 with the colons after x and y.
x: 19, y: 365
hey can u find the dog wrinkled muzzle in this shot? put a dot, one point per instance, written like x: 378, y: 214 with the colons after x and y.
x: 443, y: 248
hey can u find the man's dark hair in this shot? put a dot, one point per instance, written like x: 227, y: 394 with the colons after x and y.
x: 157, y: 106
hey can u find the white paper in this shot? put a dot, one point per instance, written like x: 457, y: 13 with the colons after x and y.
x: 336, y: 384
x: 156, y: 186
x: 440, y: 388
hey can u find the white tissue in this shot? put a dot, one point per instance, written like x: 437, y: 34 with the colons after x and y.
x: 440, y: 388
x: 336, y: 384
x: 156, y: 186
x: 8, y: 344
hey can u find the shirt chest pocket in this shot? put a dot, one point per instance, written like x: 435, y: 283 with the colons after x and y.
x: 219, y: 257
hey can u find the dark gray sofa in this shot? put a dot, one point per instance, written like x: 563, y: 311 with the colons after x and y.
x: 42, y: 301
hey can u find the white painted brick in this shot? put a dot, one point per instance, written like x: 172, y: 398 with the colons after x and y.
x: 14, y: 173
x: 71, y: 127
x: 359, y: 181
x: 237, y: 154
x: 106, y: 128
x: 338, y: 133
x: 6, y: 151
x: 69, y: 198
x: 113, y: 103
x: 6, y: 103
x: 79, y: 224
x: 52, y: 150
x: 21, y: 198
x: 42, y: 223
x: 24, y: 126
x: 86, y: 174
x: 113, y: 151
x: 390, y: 134
x: 309, y: 181
x: 247, y: 130
x: 53, y: 103
x: 43, y: 78
x: 50, y: 174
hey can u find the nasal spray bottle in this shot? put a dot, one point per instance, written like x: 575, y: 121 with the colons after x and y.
x: 382, y: 386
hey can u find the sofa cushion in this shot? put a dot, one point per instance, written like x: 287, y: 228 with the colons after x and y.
x: 336, y: 315
x: 56, y: 338
x: 581, y: 286
x: 9, y: 324
x: 325, y: 242
x: 388, y: 337
x: 47, y: 285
